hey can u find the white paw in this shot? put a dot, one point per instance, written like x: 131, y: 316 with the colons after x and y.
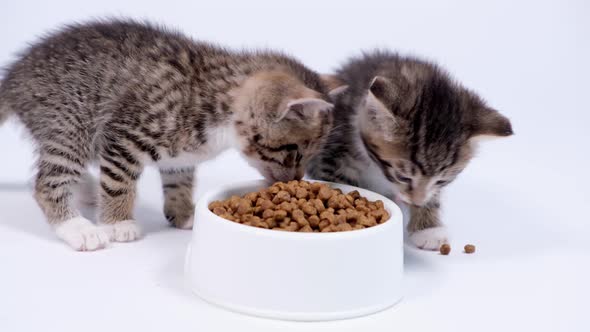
x: 187, y: 224
x: 430, y: 238
x: 81, y: 234
x: 122, y: 231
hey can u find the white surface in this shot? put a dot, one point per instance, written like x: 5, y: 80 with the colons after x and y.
x: 523, y: 201
x: 324, y: 276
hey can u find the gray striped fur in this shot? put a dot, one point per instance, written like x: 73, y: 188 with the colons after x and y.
x: 403, y: 127
x: 125, y: 94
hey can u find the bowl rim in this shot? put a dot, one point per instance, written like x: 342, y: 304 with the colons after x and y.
x: 206, y: 198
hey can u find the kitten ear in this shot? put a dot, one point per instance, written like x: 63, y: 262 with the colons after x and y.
x: 304, y: 109
x: 334, y: 84
x: 489, y: 122
x: 335, y: 93
x: 381, y: 93
x: 381, y: 118
x: 383, y: 89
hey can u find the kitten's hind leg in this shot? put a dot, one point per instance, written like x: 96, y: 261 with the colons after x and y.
x: 58, y: 171
x: 178, y: 196
x: 425, y: 229
x: 118, y: 178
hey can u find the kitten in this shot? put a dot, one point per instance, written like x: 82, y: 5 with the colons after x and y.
x: 404, y: 128
x: 125, y: 95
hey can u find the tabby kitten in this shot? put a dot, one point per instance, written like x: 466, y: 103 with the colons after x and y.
x: 404, y: 128
x: 125, y: 95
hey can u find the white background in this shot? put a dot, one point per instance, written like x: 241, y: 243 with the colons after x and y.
x: 523, y: 201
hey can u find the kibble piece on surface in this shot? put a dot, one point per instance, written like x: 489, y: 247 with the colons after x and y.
x: 349, y: 198
x: 243, y: 206
x: 314, y: 221
x: 281, y: 196
x: 301, y: 193
x: 286, y: 206
x: 324, y: 193
x: 469, y: 248
x: 280, y: 214
x: 323, y: 224
x: 363, y: 209
x: 315, y: 187
x: 384, y: 216
x: 251, y: 196
x: 219, y: 210
x: 333, y: 202
x: 445, y: 249
x: 215, y: 204
x: 271, y: 222
x: 329, y: 228
x: 293, y: 226
x: 267, y: 204
x: 343, y: 227
x: 268, y: 214
x: 340, y: 219
x: 264, y: 194
x: 306, y: 229
x: 355, y: 194
x: 308, y: 208
x: 318, y: 205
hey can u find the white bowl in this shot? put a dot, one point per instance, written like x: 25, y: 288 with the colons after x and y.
x: 290, y: 275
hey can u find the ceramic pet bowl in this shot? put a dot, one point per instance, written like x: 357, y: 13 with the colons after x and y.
x: 290, y: 275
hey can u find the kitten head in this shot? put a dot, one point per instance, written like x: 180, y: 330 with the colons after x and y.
x: 420, y: 127
x: 281, y: 123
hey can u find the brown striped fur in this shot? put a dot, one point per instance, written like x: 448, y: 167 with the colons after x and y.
x: 124, y: 94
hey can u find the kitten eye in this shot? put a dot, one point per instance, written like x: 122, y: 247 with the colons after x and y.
x: 402, y: 178
x: 441, y: 182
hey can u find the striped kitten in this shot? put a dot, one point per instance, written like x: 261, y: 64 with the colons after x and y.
x: 125, y: 95
x: 406, y: 129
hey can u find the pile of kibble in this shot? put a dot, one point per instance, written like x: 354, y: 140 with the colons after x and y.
x: 302, y: 206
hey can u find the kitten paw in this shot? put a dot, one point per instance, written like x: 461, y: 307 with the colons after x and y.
x: 123, y: 231
x: 81, y: 234
x: 180, y: 217
x: 430, y: 238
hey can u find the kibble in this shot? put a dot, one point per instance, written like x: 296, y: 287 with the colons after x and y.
x: 445, y: 249
x: 469, y: 248
x: 301, y: 206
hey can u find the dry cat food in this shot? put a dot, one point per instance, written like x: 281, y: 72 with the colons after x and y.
x: 445, y: 249
x: 302, y: 206
x: 469, y: 248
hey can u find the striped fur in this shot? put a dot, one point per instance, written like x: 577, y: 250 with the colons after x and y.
x: 127, y: 94
x: 403, y: 128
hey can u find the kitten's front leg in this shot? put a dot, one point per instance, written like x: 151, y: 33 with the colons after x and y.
x: 178, y: 196
x: 425, y: 229
x: 118, y: 178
